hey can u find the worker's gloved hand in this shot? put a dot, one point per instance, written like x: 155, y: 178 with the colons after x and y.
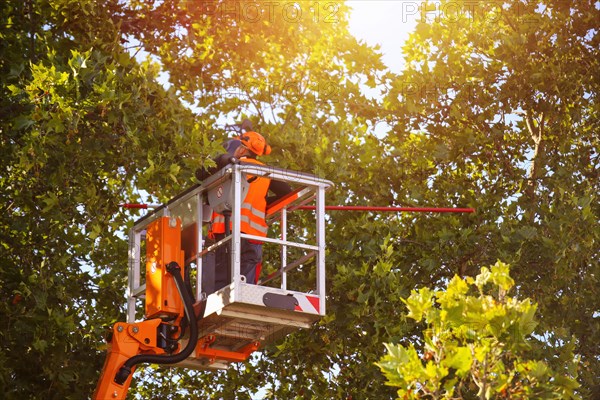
x: 201, y: 174
x: 221, y: 161
x: 225, y: 159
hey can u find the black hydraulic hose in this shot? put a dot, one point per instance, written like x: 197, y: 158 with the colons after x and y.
x: 188, y: 285
x: 229, y: 245
x: 227, y: 216
x: 174, y: 269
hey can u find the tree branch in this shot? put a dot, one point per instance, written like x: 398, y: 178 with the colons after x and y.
x: 536, y: 134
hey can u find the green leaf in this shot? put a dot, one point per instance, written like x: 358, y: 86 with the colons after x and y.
x: 23, y: 122
x: 40, y: 345
x: 483, y: 278
x: 460, y: 359
x: 528, y: 232
x: 501, y: 277
x: 419, y: 303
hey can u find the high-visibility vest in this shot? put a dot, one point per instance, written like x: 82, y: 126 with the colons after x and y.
x: 252, y: 220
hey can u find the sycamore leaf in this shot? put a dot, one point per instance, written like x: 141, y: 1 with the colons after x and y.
x: 419, y: 303
x: 460, y: 359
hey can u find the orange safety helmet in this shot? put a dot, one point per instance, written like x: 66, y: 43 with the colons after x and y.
x: 256, y: 143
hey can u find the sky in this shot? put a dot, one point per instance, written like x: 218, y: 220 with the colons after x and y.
x: 386, y: 23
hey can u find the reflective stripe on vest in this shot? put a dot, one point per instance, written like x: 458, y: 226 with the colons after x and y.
x: 254, y: 211
x: 218, y: 225
x: 262, y: 230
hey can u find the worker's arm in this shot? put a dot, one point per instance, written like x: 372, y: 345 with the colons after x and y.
x: 279, y: 190
x: 220, y: 161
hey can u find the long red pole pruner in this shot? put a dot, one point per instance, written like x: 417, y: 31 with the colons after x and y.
x: 393, y: 209
x: 351, y: 208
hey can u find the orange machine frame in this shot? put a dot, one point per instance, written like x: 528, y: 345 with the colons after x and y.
x: 163, y: 303
x: 163, y: 244
x: 128, y: 340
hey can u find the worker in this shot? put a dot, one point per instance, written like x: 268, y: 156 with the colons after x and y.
x: 247, y: 148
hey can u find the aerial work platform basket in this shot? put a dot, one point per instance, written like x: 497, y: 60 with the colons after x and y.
x: 243, y: 316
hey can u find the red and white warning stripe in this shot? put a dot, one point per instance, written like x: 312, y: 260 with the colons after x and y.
x: 308, y: 304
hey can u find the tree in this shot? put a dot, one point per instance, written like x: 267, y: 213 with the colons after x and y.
x: 477, y: 343
x: 497, y: 109
x: 83, y: 126
x: 86, y: 125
